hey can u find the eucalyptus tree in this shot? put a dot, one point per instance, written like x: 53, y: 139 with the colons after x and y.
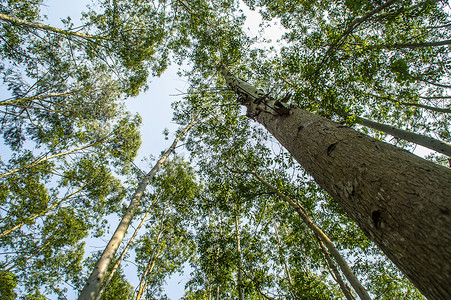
x: 332, y: 85
x: 167, y: 244
x: 95, y: 280
x: 45, y: 249
x: 228, y: 142
x: 382, y: 61
x: 346, y: 168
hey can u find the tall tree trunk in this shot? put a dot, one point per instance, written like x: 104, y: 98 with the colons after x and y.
x: 94, y: 282
x: 287, y: 269
x: 400, y: 201
x: 335, y: 273
x: 347, y: 272
x: 416, y: 138
x: 150, y: 264
x: 121, y: 257
x: 238, y: 250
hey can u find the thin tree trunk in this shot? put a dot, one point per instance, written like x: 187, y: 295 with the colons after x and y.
x: 238, y: 249
x: 150, y: 265
x: 411, y: 45
x: 153, y: 257
x: 8, y: 231
x: 428, y: 107
x: 94, y: 282
x: 419, y: 139
x: 434, y: 97
x: 148, y: 270
x: 19, y: 22
x: 130, y: 242
x: 399, y: 200
x: 287, y: 269
x: 217, y: 293
x: 35, y: 97
x: 424, y: 106
x: 416, y: 138
x: 335, y: 273
x: 47, y: 157
x: 353, y: 280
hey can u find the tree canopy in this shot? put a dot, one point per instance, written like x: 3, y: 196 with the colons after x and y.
x: 231, y: 209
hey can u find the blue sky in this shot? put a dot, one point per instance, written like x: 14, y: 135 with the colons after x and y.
x: 154, y: 106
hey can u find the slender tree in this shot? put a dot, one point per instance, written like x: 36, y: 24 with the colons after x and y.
x: 151, y: 263
x: 324, y: 239
x: 239, y: 258
x: 95, y: 280
x: 124, y: 251
x: 418, y: 139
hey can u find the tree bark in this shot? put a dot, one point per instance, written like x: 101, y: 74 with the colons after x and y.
x: 413, y: 137
x: 400, y: 201
x: 94, y: 282
x: 121, y: 257
x: 335, y: 273
x: 238, y: 249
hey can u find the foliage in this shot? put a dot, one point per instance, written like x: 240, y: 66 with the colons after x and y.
x: 72, y: 143
x: 7, y: 284
x: 375, y: 60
